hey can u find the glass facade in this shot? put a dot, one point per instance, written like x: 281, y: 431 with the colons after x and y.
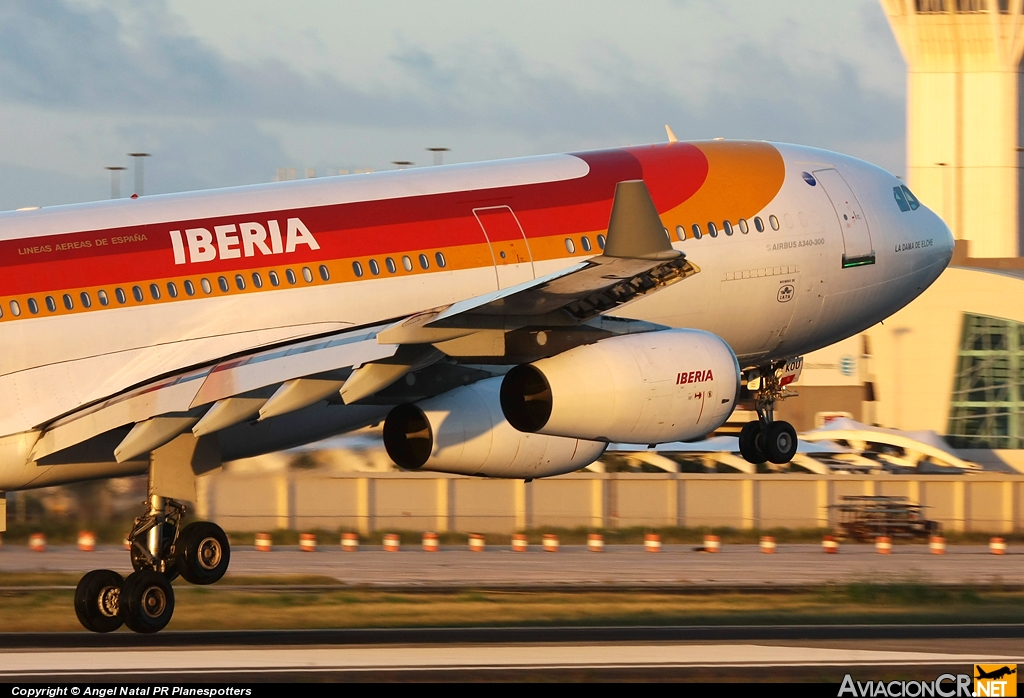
x: 988, y: 397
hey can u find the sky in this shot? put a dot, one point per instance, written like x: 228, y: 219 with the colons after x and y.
x: 224, y: 93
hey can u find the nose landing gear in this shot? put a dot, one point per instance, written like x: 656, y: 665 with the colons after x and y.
x: 160, y: 550
x: 767, y: 439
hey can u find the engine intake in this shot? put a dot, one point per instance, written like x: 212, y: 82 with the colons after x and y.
x: 464, y: 431
x: 656, y: 387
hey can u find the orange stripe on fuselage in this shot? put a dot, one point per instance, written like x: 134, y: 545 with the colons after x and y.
x: 690, y: 183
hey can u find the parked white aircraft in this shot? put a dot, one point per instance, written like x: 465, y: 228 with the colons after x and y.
x: 505, y: 319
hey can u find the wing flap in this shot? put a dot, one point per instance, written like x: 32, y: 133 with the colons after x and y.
x: 186, y: 397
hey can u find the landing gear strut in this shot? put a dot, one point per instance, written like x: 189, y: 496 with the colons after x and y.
x: 767, y: 439
x: 160, y: 550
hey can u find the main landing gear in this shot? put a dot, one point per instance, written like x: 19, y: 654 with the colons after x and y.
x: 160, y: 551
x: 767, y: 439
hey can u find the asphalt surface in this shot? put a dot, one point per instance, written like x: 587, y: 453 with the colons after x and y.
x: 638, y: 653
x: 573, y: 566
x: 701, y: 653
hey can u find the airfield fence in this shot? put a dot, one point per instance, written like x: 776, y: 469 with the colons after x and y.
x: 364, y: 502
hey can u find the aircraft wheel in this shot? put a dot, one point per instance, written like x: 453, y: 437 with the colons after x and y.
x: 749, y: 449
x: 780, y: 442
x: 203, y: 553
x: 147, y: 601
x: 96, y: 601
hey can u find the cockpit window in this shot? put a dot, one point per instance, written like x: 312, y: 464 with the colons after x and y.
x: 911, y: 199
x: 901, y: 200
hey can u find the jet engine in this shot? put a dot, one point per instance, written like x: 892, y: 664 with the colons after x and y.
x: 655, y: 387
x: 463, y: 431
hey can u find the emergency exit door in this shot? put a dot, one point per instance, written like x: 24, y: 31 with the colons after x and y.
x: 856, y: 236
x: 513, y: 262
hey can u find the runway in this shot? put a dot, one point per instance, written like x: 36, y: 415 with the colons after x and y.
x: 742, y: 566
x: 504, y: 653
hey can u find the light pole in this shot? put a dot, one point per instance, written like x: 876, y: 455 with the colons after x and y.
x: 115, y: 180
x: 439, y: 154
x: 138, y: 170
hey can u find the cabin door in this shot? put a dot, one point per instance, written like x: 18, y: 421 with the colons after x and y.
x: 513, y: 262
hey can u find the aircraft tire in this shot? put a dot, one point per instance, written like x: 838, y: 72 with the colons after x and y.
x: 203, y: 553
x: 147, y: 601
x: 749, y: 448
x: 780, y: 442
x: 95, y: 604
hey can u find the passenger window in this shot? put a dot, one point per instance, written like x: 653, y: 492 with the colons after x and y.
x: 190, y: 288
x: 104, y: 298
x: 86, y: 300
x: 154, y: 291
x: 439, y: 258
x: 357, y: 269
x: 240, y: 282
x: 789, y: 220
x: 290, y: 275
x: 570, y: 245
x: 585, y: 241
x: 172, y: 289
x: 307, y: 275
x: 51, y: 304
x: 275, y: 280
x: 696, y: 231
x: 69, y: 302
x: 424, y: 261
x: 1, y: 312
x: 803, y: 218
x: 257, y: 280
x: 207, y: 286
x: 223, y: 283
x: 712, y: 229
x: 406, y: 264
x: 138, y: 294
x: 744, y: 228
x: 121, y: 296
x: 15, y: 308
x: 911, y: 199
x: 391, y: 265
x: 33, y: 307
x: 680, y: 232
x: 600, y: 241
x: 374, y: 267
x: 774, y: 222
x: 759, y: 224
x: 728, y: 227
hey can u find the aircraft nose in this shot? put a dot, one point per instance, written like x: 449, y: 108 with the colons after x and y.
x: 943, y: 236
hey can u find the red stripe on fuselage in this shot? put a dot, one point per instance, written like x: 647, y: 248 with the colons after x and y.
x: 673, y: 174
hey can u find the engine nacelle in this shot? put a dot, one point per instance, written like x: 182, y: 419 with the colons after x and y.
x: 463, y: 431
x: 655, y: 387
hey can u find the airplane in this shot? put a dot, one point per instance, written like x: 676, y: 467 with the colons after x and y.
x: 503, y: 319
x: 994, y: 674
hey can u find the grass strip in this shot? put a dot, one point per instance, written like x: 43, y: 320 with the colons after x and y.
x: 208, y: 608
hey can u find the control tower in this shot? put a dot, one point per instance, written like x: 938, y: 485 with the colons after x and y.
x: 963, y: 115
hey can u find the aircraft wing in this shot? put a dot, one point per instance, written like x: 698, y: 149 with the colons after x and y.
x: 359, y: 364
x: 260, y: 383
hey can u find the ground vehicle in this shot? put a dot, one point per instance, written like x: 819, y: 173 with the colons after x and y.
x: 864, y: 518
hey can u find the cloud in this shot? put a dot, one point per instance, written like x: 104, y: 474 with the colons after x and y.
x: 215, y: 120
x: 206, y: 154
